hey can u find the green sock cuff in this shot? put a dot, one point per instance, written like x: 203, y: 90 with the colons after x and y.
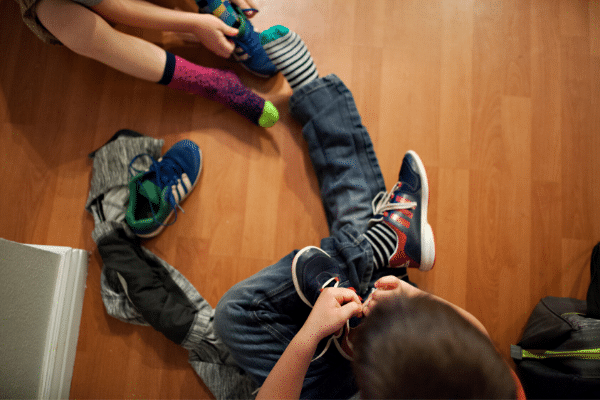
x: 269, y: 116
x: 273, y: 33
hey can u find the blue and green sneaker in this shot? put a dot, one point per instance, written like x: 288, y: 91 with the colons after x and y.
x: 155, y: 194
x: 248, y: 50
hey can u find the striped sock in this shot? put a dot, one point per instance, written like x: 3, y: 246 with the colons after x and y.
x: 289, y: 54
x: 383, y: 240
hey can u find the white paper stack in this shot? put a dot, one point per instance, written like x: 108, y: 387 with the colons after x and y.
x: 41, y: 297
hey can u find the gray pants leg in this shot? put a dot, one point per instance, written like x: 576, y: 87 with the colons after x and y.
x: 176, y: 309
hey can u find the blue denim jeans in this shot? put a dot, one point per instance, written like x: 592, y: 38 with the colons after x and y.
x: 258, y: 317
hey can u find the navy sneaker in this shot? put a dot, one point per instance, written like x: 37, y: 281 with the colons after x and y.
x: 404, y: 210
x: 312, y: 271
x: 155, y: 194
x: 248, y: 48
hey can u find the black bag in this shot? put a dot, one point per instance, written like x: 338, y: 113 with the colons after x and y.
x: 593, y: 294
x: 559, y: 353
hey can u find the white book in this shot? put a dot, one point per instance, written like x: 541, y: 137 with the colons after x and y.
x: 42, y: 298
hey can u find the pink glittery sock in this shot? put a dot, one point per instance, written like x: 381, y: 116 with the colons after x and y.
x: 218, y: 85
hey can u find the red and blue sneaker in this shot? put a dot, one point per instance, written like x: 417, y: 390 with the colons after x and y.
x: 155, y: 194
x: 404, y: 210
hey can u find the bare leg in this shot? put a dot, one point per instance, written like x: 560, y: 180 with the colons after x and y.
x: 207, y: 28
x: 88, y: 34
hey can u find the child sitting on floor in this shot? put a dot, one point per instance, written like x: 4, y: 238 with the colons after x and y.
x: 81, y: 25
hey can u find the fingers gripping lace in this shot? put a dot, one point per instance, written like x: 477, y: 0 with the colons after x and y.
x: 254, y: 46
x: 337, y: 334
x: 328, y: 281
x: 333, y: 338
x: 383, y: 202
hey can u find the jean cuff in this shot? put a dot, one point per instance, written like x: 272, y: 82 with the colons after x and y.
x: 306, y: 90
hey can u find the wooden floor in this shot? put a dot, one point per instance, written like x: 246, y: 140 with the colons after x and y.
x: 501, y: 99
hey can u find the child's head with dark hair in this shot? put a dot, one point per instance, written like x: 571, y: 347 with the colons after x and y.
x: 421, y: 348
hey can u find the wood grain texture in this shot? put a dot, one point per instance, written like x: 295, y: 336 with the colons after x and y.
x: 546, y: 91
x: 500, y: 99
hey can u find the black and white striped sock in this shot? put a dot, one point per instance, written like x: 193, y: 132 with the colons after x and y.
x: 289, y: 54
x: 383, y: 240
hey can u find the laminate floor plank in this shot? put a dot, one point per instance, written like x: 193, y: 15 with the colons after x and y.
x: 499, y: 98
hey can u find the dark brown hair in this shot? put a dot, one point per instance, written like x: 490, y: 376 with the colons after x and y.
x: 422, y: 348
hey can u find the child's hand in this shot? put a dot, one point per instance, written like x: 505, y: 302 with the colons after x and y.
x: 214, y: 34
x: 333, y: 308
x: 245, y: 5
x: 387, y: 287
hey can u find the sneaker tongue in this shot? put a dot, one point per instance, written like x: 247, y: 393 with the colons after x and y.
x: 150, y: 191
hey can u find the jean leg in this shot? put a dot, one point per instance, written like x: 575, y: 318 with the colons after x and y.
x: 341, y: 151
x: 258, y: 317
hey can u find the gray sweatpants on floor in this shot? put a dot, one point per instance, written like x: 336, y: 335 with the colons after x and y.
x: 130, y: 272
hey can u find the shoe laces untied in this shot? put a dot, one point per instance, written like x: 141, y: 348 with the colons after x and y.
x: 332, y: 282
x: 166, y: 173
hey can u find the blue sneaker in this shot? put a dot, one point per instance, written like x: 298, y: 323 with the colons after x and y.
x: 155, y: 194
x: 404, y: 210
x: 248, y: 48
x: 312, y: 271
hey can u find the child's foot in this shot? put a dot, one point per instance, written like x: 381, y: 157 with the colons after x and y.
x: 290, y: 55
x: 312, y: 271
x: 269, y: 116
x: 248, y: 50
x: 222, y: 86
x: 220, y: 9
x: 399, y: 232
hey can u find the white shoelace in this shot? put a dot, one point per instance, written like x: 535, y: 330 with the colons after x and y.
x: 331, y: 339
x: 336, y: 284
x: 382, y: 202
